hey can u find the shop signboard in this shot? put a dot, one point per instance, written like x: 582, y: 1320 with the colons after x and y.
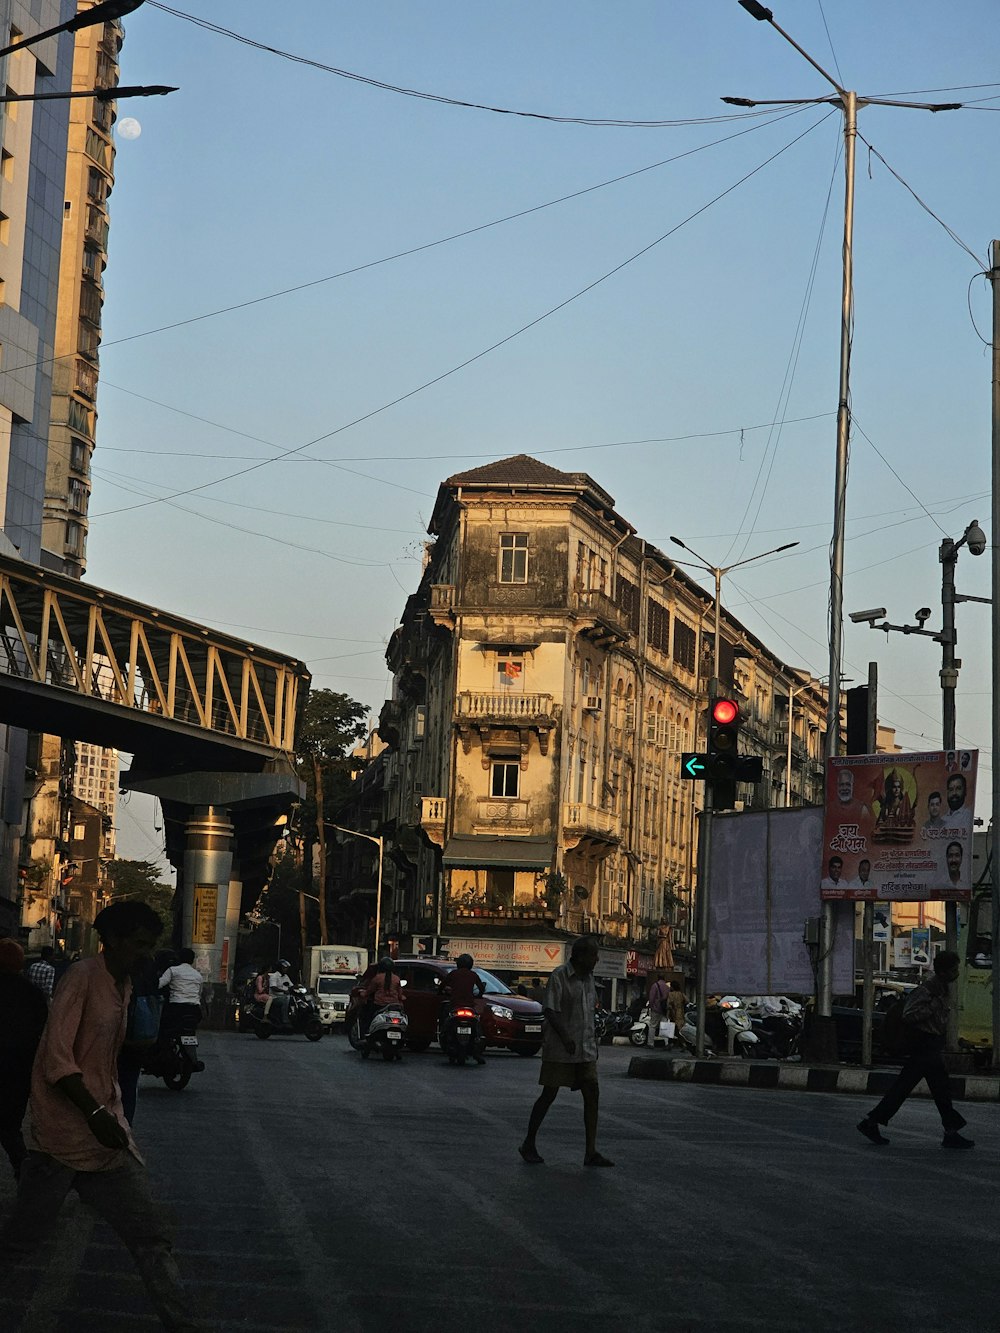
x: 638, y: 964
x: 540, y: 956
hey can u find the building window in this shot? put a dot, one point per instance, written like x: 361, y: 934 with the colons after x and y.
x: 510, y: 672
x: 513, y: 557
x: 627, y: 601
x: 505, y: 780
x: 685, y: 640
x: 658, y: 626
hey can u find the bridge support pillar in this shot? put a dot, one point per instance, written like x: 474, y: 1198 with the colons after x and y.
x: 211, y: 895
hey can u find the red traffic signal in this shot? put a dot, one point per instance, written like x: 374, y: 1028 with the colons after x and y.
x: 725, y: 712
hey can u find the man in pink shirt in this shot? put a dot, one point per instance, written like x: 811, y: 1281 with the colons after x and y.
x: 78, y: 1135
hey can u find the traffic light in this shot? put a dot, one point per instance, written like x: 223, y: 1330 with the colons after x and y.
x: 723, y: 737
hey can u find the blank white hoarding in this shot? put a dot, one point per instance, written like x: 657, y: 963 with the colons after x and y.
x: 763, y: 888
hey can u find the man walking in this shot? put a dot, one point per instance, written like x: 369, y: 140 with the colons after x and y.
x: 569, y: 1049
x: 42, y: 972
x: 25, y: 1011
x: 79, y: 1137
x: 925, y: 1023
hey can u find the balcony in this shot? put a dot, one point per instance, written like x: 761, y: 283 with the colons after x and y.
x: 599, y: 619
x: 484, y: 712
x: 599, y: 829
x: 433, y: 815
x: 442, y: 607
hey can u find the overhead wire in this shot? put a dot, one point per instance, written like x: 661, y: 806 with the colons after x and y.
x: 782, y: 114
x: 382, y: 86
x: 478, y: 356
x: 784, y: 393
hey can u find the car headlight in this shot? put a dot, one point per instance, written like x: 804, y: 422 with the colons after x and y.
x: 502, y: 1011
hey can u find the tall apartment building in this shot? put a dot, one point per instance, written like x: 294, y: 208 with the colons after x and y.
x: 548, y: 672
x: 33, y: 139
x: 84, y: 252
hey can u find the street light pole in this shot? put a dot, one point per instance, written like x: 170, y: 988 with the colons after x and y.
x: 849, y: 102
x: 705, y: 836
x: 380, y: 844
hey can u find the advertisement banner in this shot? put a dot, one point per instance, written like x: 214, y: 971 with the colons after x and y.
x: 898, y: 827
x: 883, y: 923
x: 206, y: 909
x: 920, y: 946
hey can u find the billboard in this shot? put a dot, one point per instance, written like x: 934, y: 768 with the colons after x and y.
x: 763, y: 887
x: 898, y: 827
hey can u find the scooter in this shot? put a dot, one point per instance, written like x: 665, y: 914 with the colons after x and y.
x: 299, y: 1015
x: 729, y: 1029
x: 386, y: 1034
x: 461, y: 1037
x: 779, y: 1033
x: 174, y: 1057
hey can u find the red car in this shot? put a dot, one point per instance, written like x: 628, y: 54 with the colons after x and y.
x: 508, y: 1021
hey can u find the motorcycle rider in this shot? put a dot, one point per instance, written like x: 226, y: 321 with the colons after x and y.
x: 185, y: 984
x: 461, y: 988
x: 279, y: 984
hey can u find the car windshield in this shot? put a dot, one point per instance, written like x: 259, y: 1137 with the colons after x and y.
x: 494, y: 986
x: 336, y: 985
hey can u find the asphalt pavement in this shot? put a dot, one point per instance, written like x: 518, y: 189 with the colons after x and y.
x: 316, y: 1191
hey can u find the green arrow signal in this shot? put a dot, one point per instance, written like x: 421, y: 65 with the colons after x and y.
x: 694, y: 766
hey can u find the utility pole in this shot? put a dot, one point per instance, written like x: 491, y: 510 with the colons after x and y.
x: 995, y: 578
x: 849, y: 103
x: 324, y: 935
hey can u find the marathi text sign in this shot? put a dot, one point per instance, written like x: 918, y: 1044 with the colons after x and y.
x: 511, y: 955
x: 898, y: 827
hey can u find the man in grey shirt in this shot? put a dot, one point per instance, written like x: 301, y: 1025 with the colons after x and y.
x: 569, y: 1049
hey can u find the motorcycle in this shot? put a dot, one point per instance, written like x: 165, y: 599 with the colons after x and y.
x: 386, y: 1034
x: 602, y: 1026
x: 729, y: 1030
x: 174, y: 1056
x: 299, y: 1015
x: 461, y: 1037
x: 779, y: 1033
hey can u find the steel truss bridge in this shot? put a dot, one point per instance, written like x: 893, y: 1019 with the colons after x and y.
x: 82, y: 662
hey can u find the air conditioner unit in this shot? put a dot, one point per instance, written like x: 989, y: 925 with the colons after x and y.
x: 592, y: 703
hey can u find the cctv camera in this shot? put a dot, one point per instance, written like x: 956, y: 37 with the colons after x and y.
x: 975, y: 538
x: 859, y: 617
x: 923, y: 614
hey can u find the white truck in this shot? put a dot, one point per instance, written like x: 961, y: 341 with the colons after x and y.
x: 333, y: 971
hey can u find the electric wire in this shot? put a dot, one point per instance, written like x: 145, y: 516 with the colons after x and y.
x: 926, y: 207
x: 783, y: 114
x: 902, y: 483
x: 784, y: 394
x: 826, y: 29
x: 596, y: 121
x: 478, y: 356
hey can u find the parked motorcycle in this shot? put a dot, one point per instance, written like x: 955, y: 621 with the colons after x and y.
x: 174, y: 1056
x: 602, y: 1025
x: 386, y: 1034
x: 638, y: 1032
x: 729, y: 1029
x: 299, y: 1015
x: 777, y: 1024
x: 461, y: 1037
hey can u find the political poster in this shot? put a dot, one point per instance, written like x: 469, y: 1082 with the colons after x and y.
x: 882, y: 932
x: 898, y: 827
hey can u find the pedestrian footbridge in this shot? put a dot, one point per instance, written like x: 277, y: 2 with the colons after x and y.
x: 82, y: 662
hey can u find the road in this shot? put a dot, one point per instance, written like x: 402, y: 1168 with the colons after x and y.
x: 316, y: 1191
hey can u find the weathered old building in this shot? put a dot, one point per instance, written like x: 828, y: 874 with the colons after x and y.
x: 548, y: 672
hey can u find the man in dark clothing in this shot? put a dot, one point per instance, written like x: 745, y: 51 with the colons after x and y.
x: 25, y: 1009
x: 925, y: 1023
x: 461, y: 988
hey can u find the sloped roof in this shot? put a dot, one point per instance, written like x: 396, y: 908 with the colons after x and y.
x: 520, y: 470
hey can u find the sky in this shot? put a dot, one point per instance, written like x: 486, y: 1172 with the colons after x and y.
x: 412, y: 287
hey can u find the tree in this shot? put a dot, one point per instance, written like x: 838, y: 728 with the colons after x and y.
x: 140, y: 880
x: 331, y: 725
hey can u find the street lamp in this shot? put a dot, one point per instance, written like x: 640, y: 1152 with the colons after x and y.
x: 106, y: 12
x: 705, y: 838
x: 380, y: 844
x: 850, y: 103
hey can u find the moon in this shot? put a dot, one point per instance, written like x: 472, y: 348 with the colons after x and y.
x: 129, y: 128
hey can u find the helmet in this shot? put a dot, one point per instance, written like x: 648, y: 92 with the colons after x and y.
x: 284, y: 964
x: 464, y: 960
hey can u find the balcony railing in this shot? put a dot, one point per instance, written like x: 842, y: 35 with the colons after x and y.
x: 505, y: 705
x: 433, y: 811
x: 584, y: 819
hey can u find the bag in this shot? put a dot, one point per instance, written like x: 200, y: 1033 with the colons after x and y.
x: 897, y: 1034
x: 667, y: 1030
x: 143, y: 1025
